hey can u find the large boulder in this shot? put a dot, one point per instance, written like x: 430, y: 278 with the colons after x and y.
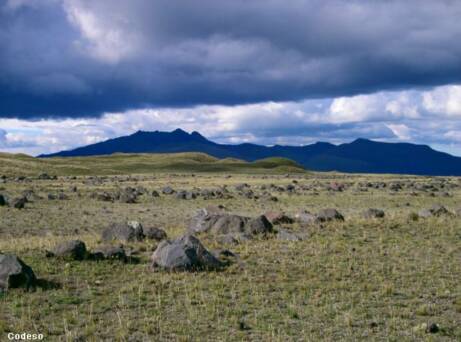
x: 184, y: 254
x: 125, y: 232
x: 14, y: 273
x: 258, y: 225
x: 71, y: 250
x: 219, y: 223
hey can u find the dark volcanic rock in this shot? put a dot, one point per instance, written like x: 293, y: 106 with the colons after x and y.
x: 3, y: 200
x: 258, y: 225
x: 15, y: 273
x: 278, y: 217
x: 126, y: 232
x: 19, y: 202
x: 154, y: 233
x: 109, y: 252
x: 71, y: 250
x: 184, y: 254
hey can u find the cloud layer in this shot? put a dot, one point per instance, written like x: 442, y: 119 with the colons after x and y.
x: 430, y: 117
x: 82, y: 58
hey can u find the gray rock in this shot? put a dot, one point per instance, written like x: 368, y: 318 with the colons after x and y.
x: 109, y: 252
x: 233, y: 239
x: 276, y: 217
x: 154, y: 233
x: 258, y: 225
x: 184, y: 254
x: 286, y: 235
x: 330, y: 214
x: 305, y: 217
x: 125, y: 232
x: 224, y: 223
x: 373, y: 213
x: 168, y: 190
x: 436, y: 210
x: 227, y: 223
x: 71, y: 250
x: 127, y: 197
x: 19, y: 202
x: 14, y: 273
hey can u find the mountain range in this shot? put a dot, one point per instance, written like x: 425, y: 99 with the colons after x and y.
x: 360, y: 156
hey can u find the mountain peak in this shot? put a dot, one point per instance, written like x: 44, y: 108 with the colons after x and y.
x: 179, y: 131
x: 361, y: 155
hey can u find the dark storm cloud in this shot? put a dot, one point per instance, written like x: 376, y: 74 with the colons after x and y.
x: 69, y: 58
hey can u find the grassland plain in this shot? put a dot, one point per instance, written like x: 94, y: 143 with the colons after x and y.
x: 361, y: 279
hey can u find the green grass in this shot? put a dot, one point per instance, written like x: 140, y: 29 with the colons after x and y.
x: 358, y: 280
x: 15, y: 165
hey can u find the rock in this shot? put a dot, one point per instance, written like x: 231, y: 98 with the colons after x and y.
x: 285, y: 235
x: 233, y: 239
x: 155, y: 193
x: 154, y: 233
x: 30, y: 195
x: 436, y: 210
x: 259, y: 225
x: 227, y: 223
x: 305, y: 217
x: 224, y: 223
x: 51, y: 197
x: 104, y: 196
x: 14, y: 273
x: 373, y: 213
x: 278, y: 217
x: 330, y: 214
x: 168, y: 190
x: 45, y: 176
x: 432, y: 328
x: 125, y: 232
x: 109, y: 252
x: 184, y: 254
x: 127, y: 197
x: 71, y: 250
x: 3, y: 200
x: 62, y: 196
x: 186, y: 195
x: 19, y: 202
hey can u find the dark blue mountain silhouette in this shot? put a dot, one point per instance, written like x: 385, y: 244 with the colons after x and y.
x: 360, y: 155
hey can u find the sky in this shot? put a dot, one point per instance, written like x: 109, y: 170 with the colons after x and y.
x: 75, y: 72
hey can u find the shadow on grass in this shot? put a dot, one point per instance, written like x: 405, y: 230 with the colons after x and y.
x: 46, y: 285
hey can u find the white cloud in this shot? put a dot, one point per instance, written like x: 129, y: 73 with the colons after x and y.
x: 444, y: 101
x: 389, y: 116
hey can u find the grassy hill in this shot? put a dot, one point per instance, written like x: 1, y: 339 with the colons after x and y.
x: 23, y: 165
